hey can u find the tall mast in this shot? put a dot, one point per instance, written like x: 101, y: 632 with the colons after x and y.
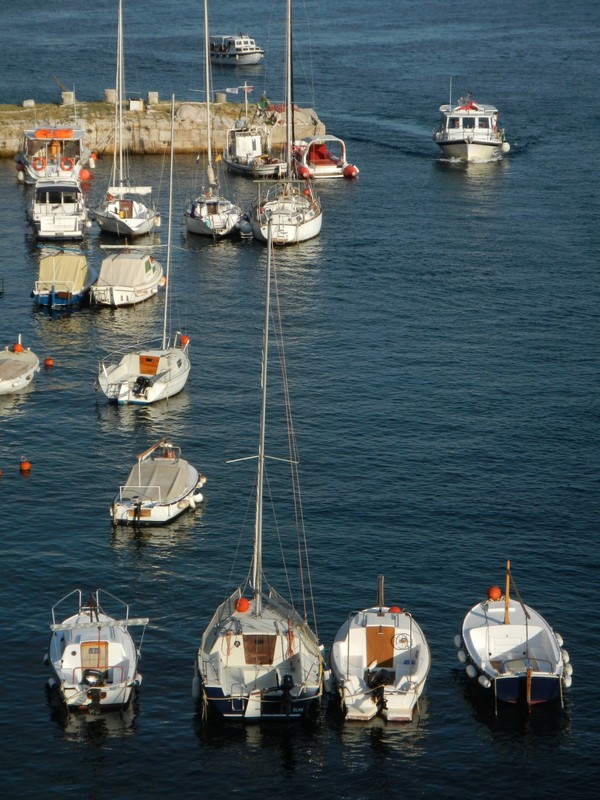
x: 120, y: 88
x: 168, y: 266
x: 288, y: 88
x: 507, y: 594
x: 207, y: 84
x: 257, y: 559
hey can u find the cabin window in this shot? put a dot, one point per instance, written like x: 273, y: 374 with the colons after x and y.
x: 454, y: 122
x: 259, y: 648
x: 469, y: 122
x: 484, y: 122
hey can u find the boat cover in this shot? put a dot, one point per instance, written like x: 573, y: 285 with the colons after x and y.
x: 162, y: 478
x: 64, y: 269
x: 125, y: 269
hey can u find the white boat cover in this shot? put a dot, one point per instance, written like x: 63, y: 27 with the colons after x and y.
x: 125, y: 269
x: 64, y: 269
x: 158, y: 479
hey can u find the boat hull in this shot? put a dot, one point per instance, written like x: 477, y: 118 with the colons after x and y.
x: 125, y: 382
x: 522, y: 690
x: 17, y: 369
x: 470, y: 151
x: 270, y: 706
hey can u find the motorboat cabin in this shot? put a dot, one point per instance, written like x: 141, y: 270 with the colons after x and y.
x: 469, y: 131
x: 235, y: 50
x: 53, y: 153
x: 58, y: 209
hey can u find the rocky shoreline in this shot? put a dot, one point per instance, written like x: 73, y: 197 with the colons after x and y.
x: 147, y: 125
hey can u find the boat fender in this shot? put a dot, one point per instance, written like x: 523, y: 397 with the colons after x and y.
x: 505, y: 147
x: 568, y: 669
x: 46, y: 660
x: 458, y: 640
x: 471, y: 671
x: 192, y: 502
x: 52, y: 683
x: 484, y: 681
x: 196, y: 687
x: 565, y: 655
x: 559, y: 639
x: 462, y: 656
x: 567, y: 681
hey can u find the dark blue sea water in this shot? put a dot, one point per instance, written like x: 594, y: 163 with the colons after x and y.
x: 442, y: 347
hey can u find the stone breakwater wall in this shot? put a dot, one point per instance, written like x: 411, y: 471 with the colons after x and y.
x: 148, y: 131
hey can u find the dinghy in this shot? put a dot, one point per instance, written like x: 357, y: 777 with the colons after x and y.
x: 92, y: 655
x: 160, y: 487
x: 512, y: 651
x: 18, y: 365
x: 380, y: 660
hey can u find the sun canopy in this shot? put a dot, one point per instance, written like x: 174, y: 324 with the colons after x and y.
x: 125, y: 269
x: 158, y: 480
x: 64, y: 269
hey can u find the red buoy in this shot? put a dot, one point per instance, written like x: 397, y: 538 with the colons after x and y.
x: 395, y: 610
x: 350, y: 171
x: 25, y: 465
x: 184, y: 340
x: 84, y: 174
x: 49, y: 362
x: 17, y: 347
x: 242, y: 604
x: 303, y: 172
x: 494, y: 593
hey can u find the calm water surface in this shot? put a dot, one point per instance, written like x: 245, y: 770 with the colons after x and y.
x: 442, y: 345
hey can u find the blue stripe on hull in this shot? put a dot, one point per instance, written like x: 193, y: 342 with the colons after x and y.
x: 514, y: 689
x: 234, y: 708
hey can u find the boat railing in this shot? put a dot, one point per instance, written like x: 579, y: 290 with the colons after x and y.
x: 520, y: 665
x: 66, y: 597
x: 42, y: 287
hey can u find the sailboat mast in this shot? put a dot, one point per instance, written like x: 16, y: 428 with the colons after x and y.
x: 207, y: 84
x: 257, y: 560
x: 120, y: 88
x: 168, y: 265
x: 288, y: 88
x: 507, y: 594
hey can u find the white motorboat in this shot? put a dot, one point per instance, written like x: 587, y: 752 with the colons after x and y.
x: 322, y: 157
x: 54, y: 153
x: 18, y: 365
x: 237, y: 51
x: 210, y: 214
x: 160, y: 487
x: 64, y: 280
x: 124, y: 211
x: 126, y: 278
x: 152, y: 373
x: 248, y: 150
x: 58, y: 209
x: 512, y: 651
x: 93, y: 657
x: 380, y: 660
x: 291, y: 208
x: 469, y: 131
x: 258, y: 658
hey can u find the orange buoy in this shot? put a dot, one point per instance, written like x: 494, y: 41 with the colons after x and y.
x: 84, y: 174
x: 25, y: 465
x: 306, y: 192
x: 494, y: 593
x: 242, y: 604
x: 395, y: 610
x: 184, y: 339
x: 49, y: 362
x: 17, y: 347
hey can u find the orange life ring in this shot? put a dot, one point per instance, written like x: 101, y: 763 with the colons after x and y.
x: 39, y: 163
x: 67, y: 164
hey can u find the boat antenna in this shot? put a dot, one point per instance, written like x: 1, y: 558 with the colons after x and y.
x: 507, y: 593
x: 257, y: 559
x: 450, y: 99
x: 380, y: 593
x: 168, y: 265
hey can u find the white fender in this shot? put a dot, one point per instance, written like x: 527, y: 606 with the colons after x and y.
x: 196, y: 687
x: 484, y: 681
x: 458, y: 640
x: 559, y: 639
x: 565, y: 656
x: 471, y: 671
x: 568, y: 669
x: 462, y: 656
x: 567, y: 681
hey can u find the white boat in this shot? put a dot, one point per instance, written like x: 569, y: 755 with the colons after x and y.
x: 93, y: 657
x: 380, y: 660
x: 512, y: 651
x: 127, y: 278
x: 160, y: 487
x: 58, y: 209
x: 322, y: 157
x: 237, y: 51
x: 124, y: 212
x: 248, y: 150
x: 469, y: 131
x: 210, y: 214
x: 18, y: 365
x: 64, y: 280
x: 152, y: 373
x: 258, y: 658
x: 290, y: 207
x: 55, y: 153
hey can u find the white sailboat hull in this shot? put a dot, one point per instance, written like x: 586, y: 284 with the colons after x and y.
x: 146, y: 376
x: 17, y: 369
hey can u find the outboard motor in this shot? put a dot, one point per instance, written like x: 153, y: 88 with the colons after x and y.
x: 287, y: 685
x: 140, y: 385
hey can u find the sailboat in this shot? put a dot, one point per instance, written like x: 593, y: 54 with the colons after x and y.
x: 291, y: 207
x: 123, y: 211
x: 210, y: 214
x: 512, y: 651
x: 258, y: 658
x: 154, y: 373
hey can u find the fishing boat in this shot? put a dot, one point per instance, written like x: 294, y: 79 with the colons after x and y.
x: 123, y: 211
x: 512, y: 651
x: 155, y: 372
x: 64, y: 280
x: 126, y: 278
x: 210, y: 214
x: 93, y: 657
x: 380, y: 660
x: 248, y: 149
x: 58, y: 209
x: 54, y: 153
x: 290, y: 208
x: 160, y: 487
x: 18, y: 366
x: 258, y: 658
x: 322, y: 157
x: 469, y: 131
x: 238, y: 50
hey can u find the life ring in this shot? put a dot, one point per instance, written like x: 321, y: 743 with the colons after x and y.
x: 400, y: 641
x: 109, y: 197
x: 67, y: 164
x: 39, y: 163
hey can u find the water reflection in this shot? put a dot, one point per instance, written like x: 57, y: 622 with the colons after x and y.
x: 93, y: 729
x: 167, y: 537
x: 12, y: 405
x: 153, y: 420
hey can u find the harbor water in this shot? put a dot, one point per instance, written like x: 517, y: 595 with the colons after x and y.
x: 442, y: 352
